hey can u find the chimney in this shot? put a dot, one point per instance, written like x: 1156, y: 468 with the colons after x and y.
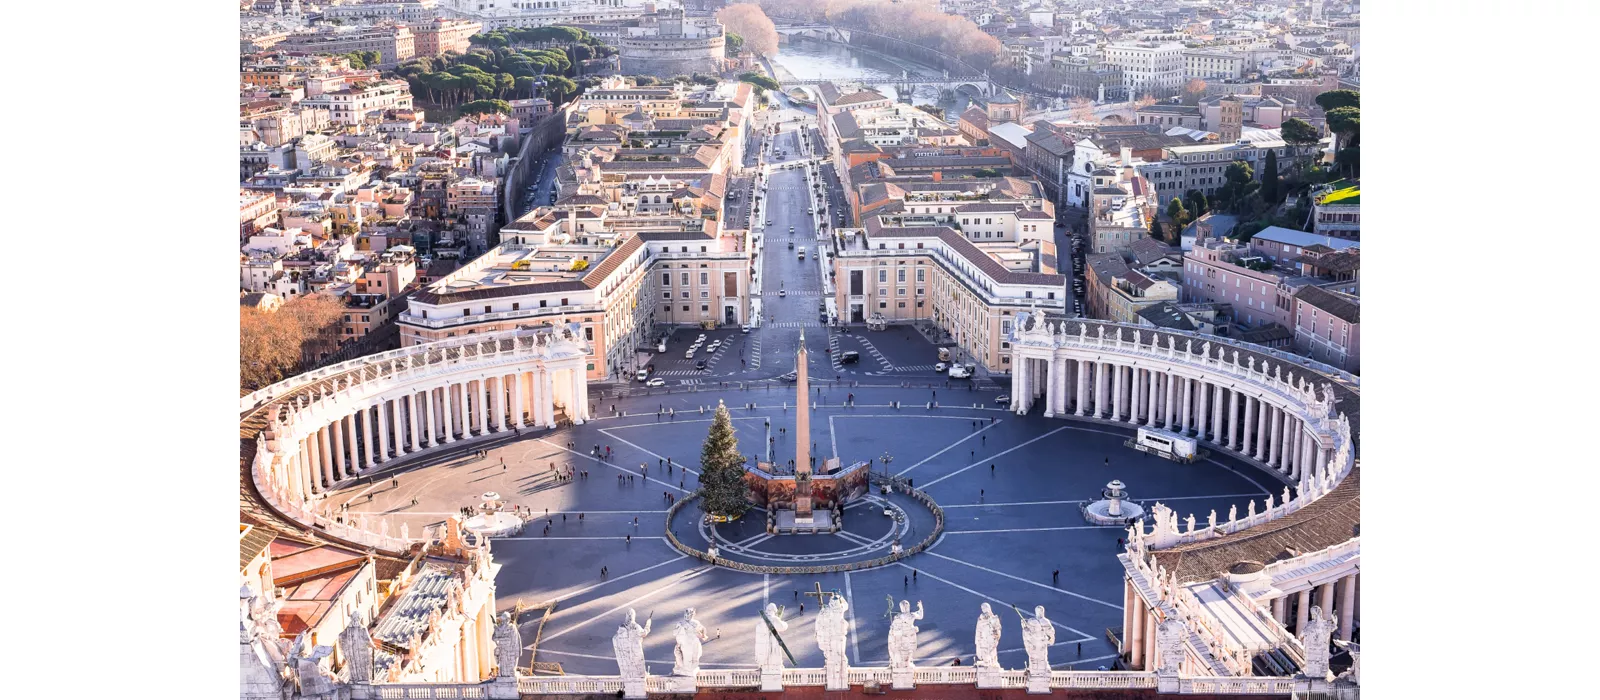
x: 1127, y: 155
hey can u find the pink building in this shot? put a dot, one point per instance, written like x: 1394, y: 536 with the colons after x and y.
x: 1327, y: 327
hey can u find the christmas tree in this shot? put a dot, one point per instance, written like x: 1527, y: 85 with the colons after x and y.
x: 722, y: 487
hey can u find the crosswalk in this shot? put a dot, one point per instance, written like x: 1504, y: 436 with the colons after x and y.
x: 679, y: 373
x: 915, y: 368
x: 755, y: 352
x: 794, y: 324
x: 876, y: 355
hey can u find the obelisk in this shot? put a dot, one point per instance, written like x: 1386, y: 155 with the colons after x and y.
x: 802, y: 435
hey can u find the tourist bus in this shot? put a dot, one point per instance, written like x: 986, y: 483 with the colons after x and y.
x: 1162, y: 443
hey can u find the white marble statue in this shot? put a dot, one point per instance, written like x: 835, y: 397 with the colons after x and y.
x: 628, y: 643
x: 769, y: 654
x: 903, y: 635
x: 689, y: 633
x: 314, y: 679
x: 1170, y: 636
x: 1315, y: 636
x: 356, y: 645
x: 507, y: 646
x: 1037, y: 636
x: 987, y: 638
x: 833, y: 633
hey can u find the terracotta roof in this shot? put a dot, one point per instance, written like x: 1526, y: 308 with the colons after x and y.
x: 253, y: 543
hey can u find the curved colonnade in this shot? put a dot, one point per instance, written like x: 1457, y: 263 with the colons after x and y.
x: 320, y: 432
x: 1272, y: 410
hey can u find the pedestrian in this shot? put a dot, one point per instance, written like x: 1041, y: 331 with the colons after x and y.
x: 580, y: 517
x: 636, y: 521
x: 1080, y: 648
x: 985, y: 440
x: 627, y: 539
x: 972, y: 453
x: 802, y: 608
x: 905, y: 581
x: 991, y: 467
x: 1055, y: 577
x: 797, y: 595
x: 913, y: 574
x: 563, y: 515
x: 980, y: 494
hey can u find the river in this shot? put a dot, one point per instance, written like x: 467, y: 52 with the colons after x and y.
x: 809, y: 59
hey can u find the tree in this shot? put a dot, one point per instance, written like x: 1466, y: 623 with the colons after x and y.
x: 986, y: 172
x: 759, y: 80
x: 751, y: 25
x: 1334, y: 99
x: 557, y: 89
x: 1145, y: 101
x: 732, y: 44
x: 1238, y: 186
x: 1178, y: 215
x: 1269, y: 179
x: 486, y: 107
x: 1299, y: 133
x: 1193, y: 91
x: 722, y: 487
x: 1197, y: 202
x: 1345, y: 123
x: 274, y: 344
x: 1155, y: 229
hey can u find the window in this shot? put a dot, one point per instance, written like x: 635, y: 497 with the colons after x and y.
x: 516, y: 306
x: 883, y: 304
x: 588, y: 333
x: 685, y: 307
x: 686, y: 294
x: 666, y: 279
x: 705, y: 307
x: 705, y: 294
x: 883, y: 276
x: 685, y: 278
x: 900, y: 275
x: 704, y: 278
x: 666, y: 295
x: 563, y: 301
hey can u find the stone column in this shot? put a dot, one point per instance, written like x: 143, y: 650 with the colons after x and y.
x: 1100, y: 381
x: 1117, y: 392
x: 1172, y: 398
x: 1279, y: 609
x: 1248, y: 426
x: 298, y: 483
x: 1139, y: 615
x: 1154, y: 399
x: 1291, y: 446
x: 1304, y: 613
x: 412, y: 413
x: 1325, y: 597
x: 1150, y: 640
x: 1263, y: 413
x: 325, y: 451
x: 497, y: 402
x: 1308, y: 452
x: 336, y: 430
x: 370, y: 431
x: 1275, y: 450
x: 1232, y: 430
x: 1188, y: 404
x: 1202, y: 405
x: 1219, y: 414
x: 1347, y: 606
x: 383, y: 430
x: 579, y: 396
x: 1049, y: 367
x: 446, y: 406
x: 517, y: 403
x: 1130, y: 599
x: 1083, y: 386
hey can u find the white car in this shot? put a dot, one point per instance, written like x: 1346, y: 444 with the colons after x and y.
x: 940, y: 367
x: 744, y: 328
x: 783, y: 292
x: 689, y: 354
x: 713, y: 346
x: 700, y: 339
x: 656, y: 382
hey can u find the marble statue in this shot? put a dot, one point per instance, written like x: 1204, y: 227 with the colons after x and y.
x: 903, y: 635
x: 1353, y: 674
x: 405, y: 531
x: 507, y: 646
x: 1285, y: 494
x: 769, y: 654
x: 1037, y: 636
x: 987, y: 638
x: 689, y: 633
x: 1170, y: 636
x: 314, y: 679
x: 1314, y: 637
x: 356, y: 645
x: 833, y: 632
x: 628, y: 643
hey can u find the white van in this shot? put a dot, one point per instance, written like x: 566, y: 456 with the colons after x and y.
x: 800, y: 252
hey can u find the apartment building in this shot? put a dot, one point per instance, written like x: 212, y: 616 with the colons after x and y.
x: 1210, y: 64
x: 1338, y: 213
x: 616, y: 277
x: 352, y: 104
x: 1148, y: 67
x: 1327, y: 327
x: 935, y: 274
x: 394, y: 42
x: 1260, y: 279
x: 441, y: 36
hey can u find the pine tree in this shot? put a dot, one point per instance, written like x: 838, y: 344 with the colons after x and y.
x: 1269, y: 178
x: 1155, y: 229
x: 722, y: 487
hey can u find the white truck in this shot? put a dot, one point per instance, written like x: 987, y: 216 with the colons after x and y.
x: 1161, y: 443
x: 959, y: 371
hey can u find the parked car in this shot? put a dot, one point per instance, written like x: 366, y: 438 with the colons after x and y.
x: 713, y: 346
x: 644, y: 374
x: 689, y: 354
x: 940, y: 367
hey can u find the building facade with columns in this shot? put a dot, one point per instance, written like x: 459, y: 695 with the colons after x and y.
x: 1269, y: 409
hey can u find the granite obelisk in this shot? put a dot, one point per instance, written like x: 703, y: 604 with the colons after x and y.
x: 802, y: 436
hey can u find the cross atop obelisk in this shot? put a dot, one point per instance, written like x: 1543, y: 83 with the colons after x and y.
x: 802, y: 435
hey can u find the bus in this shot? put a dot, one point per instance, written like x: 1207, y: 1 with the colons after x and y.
x: 1162, y: 443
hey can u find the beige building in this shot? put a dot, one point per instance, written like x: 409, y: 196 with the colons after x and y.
x: 933, y: 273
x: 442, y: 36
x: 616, y: 278
x: 394, y: 42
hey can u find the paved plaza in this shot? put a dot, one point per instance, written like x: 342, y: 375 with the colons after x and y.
x: 1010, y: 487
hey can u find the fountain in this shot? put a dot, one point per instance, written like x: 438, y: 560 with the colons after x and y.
x: 492, y: 520
x: 1112, y: 509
